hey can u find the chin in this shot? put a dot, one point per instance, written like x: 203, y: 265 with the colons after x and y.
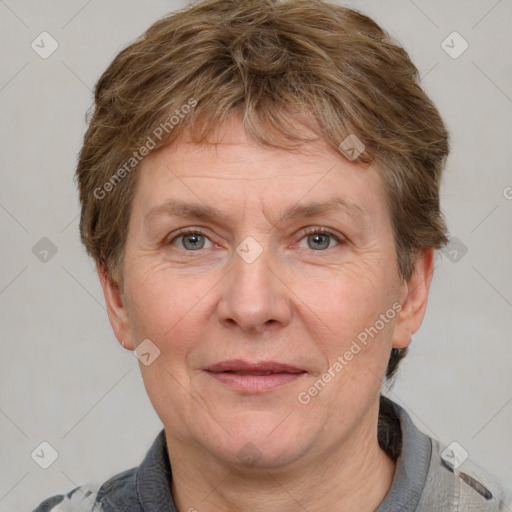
x: 260, y: 441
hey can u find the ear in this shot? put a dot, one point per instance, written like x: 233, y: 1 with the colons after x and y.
x: 414, y: 304
x: 116, y: 309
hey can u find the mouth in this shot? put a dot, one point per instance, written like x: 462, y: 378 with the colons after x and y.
x: 254, y: 377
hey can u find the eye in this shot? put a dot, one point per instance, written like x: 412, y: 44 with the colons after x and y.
x: 319, y: 239
x: 191, y: 240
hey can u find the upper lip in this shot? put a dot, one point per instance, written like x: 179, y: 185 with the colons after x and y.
x: 238, y: 365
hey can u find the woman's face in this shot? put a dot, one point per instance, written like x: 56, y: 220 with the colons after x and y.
x: 264, y: 287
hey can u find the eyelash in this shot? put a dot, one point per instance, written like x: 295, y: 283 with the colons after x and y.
x: 308, y: 231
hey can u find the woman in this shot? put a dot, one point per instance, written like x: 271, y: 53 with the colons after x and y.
x: 259, y: 186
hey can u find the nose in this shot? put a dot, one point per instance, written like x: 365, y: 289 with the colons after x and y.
x: 254, y: 296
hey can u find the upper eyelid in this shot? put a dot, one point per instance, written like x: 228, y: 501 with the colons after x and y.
x: 325, y: 231
x: 341, y: 238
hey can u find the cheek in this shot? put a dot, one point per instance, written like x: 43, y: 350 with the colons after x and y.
x: 163, y: 306
x: 349, y: 301
x: 361, y: 320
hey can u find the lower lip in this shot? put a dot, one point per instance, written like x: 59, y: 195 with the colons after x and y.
x: 255, y: 383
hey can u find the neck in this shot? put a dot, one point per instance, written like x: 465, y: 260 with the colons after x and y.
x: 356, y: 475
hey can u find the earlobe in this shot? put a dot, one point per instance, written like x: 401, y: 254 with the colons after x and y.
x: 116, y: 309
x: 415, y: 303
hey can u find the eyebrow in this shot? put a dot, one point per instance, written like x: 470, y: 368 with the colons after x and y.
x: 321, y: 208
x: 177, y: 208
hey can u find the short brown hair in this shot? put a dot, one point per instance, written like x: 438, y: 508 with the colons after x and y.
x: 271, y: 63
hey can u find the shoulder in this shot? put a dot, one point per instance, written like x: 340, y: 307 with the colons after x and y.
x: 456, y: 482
x: 80, y: 499
x: 115, y: 494
x: 432, y: 477
x: 134, y: 490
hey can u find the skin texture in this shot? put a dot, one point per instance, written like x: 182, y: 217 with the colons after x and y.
x: 246, y: 449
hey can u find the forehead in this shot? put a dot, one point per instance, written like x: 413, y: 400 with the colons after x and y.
x: 205, y: 179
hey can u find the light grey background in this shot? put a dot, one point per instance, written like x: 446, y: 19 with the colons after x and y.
x: 65, y: 379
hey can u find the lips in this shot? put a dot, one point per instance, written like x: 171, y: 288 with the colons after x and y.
x: 243, y: 367
x: 254, y: 377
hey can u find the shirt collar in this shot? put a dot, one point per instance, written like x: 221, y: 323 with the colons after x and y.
x: 154, y: 477
x: 411, y: 467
